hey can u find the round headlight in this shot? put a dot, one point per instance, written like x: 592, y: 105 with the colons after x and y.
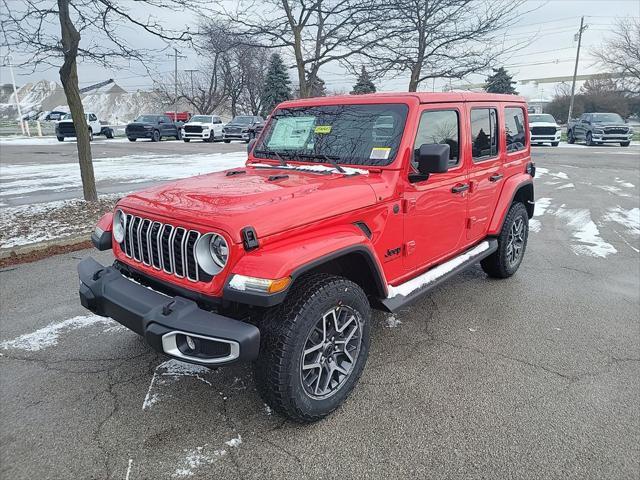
x: 119, y: 225
x: 212, y: 253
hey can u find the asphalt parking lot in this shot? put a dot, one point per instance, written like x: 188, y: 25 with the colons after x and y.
x: 533, y: 377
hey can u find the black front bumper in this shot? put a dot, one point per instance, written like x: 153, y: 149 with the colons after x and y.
x: 161, y: 319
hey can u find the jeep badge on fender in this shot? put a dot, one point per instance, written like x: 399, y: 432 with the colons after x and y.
x: 345, y: 204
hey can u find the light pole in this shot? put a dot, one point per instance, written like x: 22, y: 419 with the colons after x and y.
x: 15, y: 91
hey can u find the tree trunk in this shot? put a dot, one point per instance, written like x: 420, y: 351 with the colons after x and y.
x: 69, y: 79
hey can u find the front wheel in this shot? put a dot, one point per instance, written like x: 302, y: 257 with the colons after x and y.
x: 570, y: 138
x: 512, y: 242
x: 314, y: 347
x: 227, y: 141
x: 90, y: 135
x: 589, y: 140
x: 131, y: 139
x: 555, y: 144
x: 155, y: 136
x: 186, y: 140
x: 625, y: 144
x: 60, y: 139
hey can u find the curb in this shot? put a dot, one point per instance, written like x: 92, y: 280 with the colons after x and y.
x: 39, y: 250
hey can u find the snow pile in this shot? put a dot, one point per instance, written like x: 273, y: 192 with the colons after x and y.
x: 170, y: 372
x: 196, y: 458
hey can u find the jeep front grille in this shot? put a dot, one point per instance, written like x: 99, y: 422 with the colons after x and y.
x: 164, y: 247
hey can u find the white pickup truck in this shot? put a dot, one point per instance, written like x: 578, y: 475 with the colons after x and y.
x: 65, y: 127
x: 207, y: 128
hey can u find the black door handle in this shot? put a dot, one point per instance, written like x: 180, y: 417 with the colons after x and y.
x: 496, y: 177
x: 460, y: 188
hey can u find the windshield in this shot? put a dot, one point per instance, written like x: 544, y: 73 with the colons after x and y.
x: 541, y: 118
x: 243, y: 120
x: 201, y: 118
x: 606, y: 118
x: 347, y: 134
x: 147, y: 119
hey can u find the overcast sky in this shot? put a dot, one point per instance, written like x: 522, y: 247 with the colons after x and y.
x: 552, y: 53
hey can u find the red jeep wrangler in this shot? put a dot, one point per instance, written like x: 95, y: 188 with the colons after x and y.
x: 345, y: 203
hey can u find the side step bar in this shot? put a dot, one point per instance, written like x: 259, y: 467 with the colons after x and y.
x: 410, y: 291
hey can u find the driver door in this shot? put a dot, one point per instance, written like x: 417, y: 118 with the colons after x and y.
x: 436, y: 209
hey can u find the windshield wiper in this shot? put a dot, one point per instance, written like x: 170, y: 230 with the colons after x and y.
x: 274, y: 153
x: 327, y: 158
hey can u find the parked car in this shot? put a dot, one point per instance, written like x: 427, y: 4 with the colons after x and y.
x: 599, y: 128
x: 203, y: 127
x: 65, y: 127
x: 243, y: 127
x: 154, y: 127
x: 544, y: 129
x: 280, y: 262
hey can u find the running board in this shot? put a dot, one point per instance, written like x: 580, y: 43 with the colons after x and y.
x: 410, y: 291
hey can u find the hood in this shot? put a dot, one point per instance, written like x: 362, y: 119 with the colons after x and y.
x: 543, y: 124
x: 142, y: 124
x: 198, y: 123
x: 609, y: 125
x: 232, y: 202
x: 245, y: 125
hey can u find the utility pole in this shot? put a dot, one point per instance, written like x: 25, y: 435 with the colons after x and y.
x: 175, y: 56
x: 190, y: 71
x: 15, y: 92
x: 583, y: 27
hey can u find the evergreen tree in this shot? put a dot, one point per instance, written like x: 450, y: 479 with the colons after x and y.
x: 364, y: 84
x: 316, y: 87
x: 277, y: 86
x: 500, y: 82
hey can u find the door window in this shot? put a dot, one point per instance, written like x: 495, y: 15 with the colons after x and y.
x: 484, y: 133
x: 92, y: 117
x: 514, y: 129
x: 440, y: 126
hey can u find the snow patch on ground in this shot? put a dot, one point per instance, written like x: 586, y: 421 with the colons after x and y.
x: 170, y: 372
x: 630, y: 219
x: 612, y: 189
x: 48, y: 336
x: 234, y: 442
x: 541, y: 171
x: 195, y: 459
x: 420, y: 281
x: 624, y: 183
x: 540, y: 208
x: 391, y: 321
x: 20, y: 179
x: 566, y: 185
x: 585, y: 232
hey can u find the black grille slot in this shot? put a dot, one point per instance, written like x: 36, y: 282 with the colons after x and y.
x: 178, y: 251
x: 144, y: 241
x: 155, y: 245
x: 167, y: 264
x: 135, y: 226
x: 190, y: 257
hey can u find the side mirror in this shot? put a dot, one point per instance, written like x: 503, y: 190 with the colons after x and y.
x: 433, y: 158
x: 250, y: 145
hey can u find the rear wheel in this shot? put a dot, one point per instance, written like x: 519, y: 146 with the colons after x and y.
x: 90, y: 135
x: 512, y: 243
x: 108, y: 133
x: 313, y: 347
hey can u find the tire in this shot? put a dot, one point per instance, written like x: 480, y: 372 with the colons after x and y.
x: 291, y: 328
x: 570, y: 138
x: 504, y: 262
x: 589, y: 140
x: 90, y: 135
x: 186, y: 140
x: 156, y: 136
x: 227, y: 141
x: 178, y: 135
x: 625, y: 144
x: 555, y: 144
x: 108, y: 133
x: 132, y: 139
x: 60, y: 139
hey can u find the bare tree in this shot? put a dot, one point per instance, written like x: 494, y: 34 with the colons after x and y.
x: 620, y: 53
x: 440, y: 38
x: 314, y: 32
x: 89, y: 30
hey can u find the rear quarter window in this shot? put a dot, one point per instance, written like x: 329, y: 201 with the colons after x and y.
x: 515, y: 130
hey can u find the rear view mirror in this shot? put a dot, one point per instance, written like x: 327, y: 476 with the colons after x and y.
x: 250, y: 145
x: 433, y: 158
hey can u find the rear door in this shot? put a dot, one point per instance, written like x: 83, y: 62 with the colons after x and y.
x: 436, y: 208
x: 486, y: 171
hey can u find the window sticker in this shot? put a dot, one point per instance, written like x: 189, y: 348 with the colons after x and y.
x: 322, y: 129
x: 380, y: 153
x: 291, y: 133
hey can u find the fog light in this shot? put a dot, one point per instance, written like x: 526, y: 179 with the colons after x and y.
x: 191, y: 343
